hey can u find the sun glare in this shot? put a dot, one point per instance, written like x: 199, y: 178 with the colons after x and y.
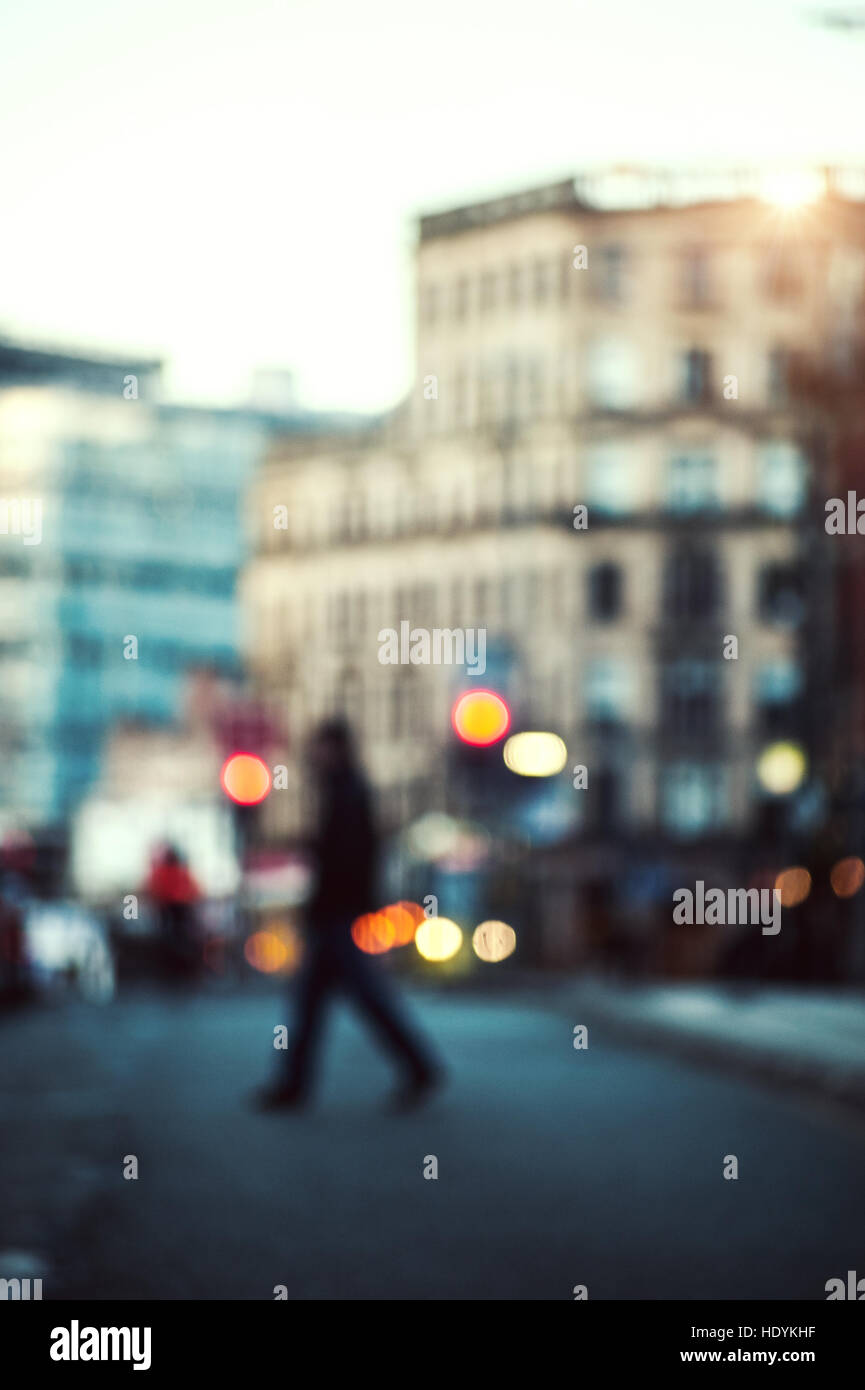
x: 792, y: 189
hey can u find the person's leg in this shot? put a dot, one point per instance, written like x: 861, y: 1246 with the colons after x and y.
x: 167, y: 953
x: 314, y: 986
x: 373, y: 993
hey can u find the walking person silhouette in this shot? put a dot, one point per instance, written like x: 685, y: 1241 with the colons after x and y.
x: 346, y: 859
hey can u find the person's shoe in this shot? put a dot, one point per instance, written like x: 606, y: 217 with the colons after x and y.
x: 415, y: 1092
x: 279, y: 1097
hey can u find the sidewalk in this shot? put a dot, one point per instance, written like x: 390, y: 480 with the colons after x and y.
x: 813, y: 1039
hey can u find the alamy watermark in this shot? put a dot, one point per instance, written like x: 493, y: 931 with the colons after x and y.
x: 439, y: 646
x: 76, y: 1343
x: 20, y: 1289
x: 715, y: 908
x: 845, y: 518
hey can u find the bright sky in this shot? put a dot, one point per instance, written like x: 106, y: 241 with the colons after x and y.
x: 232, y: 183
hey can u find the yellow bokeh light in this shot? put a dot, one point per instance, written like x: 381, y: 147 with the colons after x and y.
x: 781, y: 768
x: 290, y: 937
x: 493, y: 941
x: 535, y: 754
x: 265, y: 952
x: 847, y: 877
x: 794, y: 885
x: 438, y: 938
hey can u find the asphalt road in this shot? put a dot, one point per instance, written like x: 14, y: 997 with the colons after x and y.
x: 556, y: 1167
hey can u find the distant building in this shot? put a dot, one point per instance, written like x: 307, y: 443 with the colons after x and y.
x: 626, y: 345
x: 131, y: 579
x: 273, y: 390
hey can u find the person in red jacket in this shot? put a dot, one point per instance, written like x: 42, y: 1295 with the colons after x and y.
x: 174, y: 893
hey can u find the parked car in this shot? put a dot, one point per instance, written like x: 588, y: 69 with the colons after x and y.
x: 67, y: 947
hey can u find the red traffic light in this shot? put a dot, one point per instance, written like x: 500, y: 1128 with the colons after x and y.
x: 480, y: 717
x: 245, y: 778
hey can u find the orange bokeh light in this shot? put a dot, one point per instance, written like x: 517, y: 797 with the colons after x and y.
x: 245, y: 778
x: 373, y: 933
x: 847, y: 877
x: 265, y: 952
x: 481, y: 717
x: 404, y: 918
x: 794, y: 885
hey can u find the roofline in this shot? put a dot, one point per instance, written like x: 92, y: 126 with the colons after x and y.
x: 622, y: 191
x: 44, y: 356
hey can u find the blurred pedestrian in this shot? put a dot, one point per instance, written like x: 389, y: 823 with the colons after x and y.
x: 174, y: 894
x: 345, y: 887
x: 16, y: 900
x: 14, y: 981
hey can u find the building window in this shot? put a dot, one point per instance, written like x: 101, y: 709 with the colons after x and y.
x: 463, y: 503
x: 486, y: 396
x: 358, y: 516
x: 481, y: 595
x: 780, y: 595
x: 608, y: 690
x: 512, y: 489
x: 515, y: 285
x: 692, y: 587
x: 692, y: 483
x: 566, y: 271
x: 350, y: 697
x: 696, y: 278
x: 607, y: 271
x: 563, y: 384
x: 510, y: 586
x: 777, y: 695
x: 690, y: 698
x: 779, y: 365
x: 461, y: 298
x: 458, y: 601
x: 692, y: 799
x: 402, y: 601
x: 607, y: 801
x: 782, y: 479
x: 403, y: 511
x: 781, y: 275
x: 397, y: 710
x: 430, y: 301
x: 536, y: 389
x: 605, y: 592
x: 540, y: 282
x: 511, y: 402
x: 16, y: 566
x: 612, y: 373
x: 611, y: 479
x: 695, y: 376
x: 460, y: 410
x: 84, y: 649
x: 557, y: 596
x: 340, y: 611
x: 531, y: 595
x: 488, y: 292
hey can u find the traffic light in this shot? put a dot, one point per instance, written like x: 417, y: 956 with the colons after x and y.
x: 245, y: 778
x: 480, y: 718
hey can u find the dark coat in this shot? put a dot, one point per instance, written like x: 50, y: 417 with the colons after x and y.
x: 346, y: 854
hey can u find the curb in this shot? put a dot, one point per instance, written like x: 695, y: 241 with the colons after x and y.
x: 836, y: 1082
